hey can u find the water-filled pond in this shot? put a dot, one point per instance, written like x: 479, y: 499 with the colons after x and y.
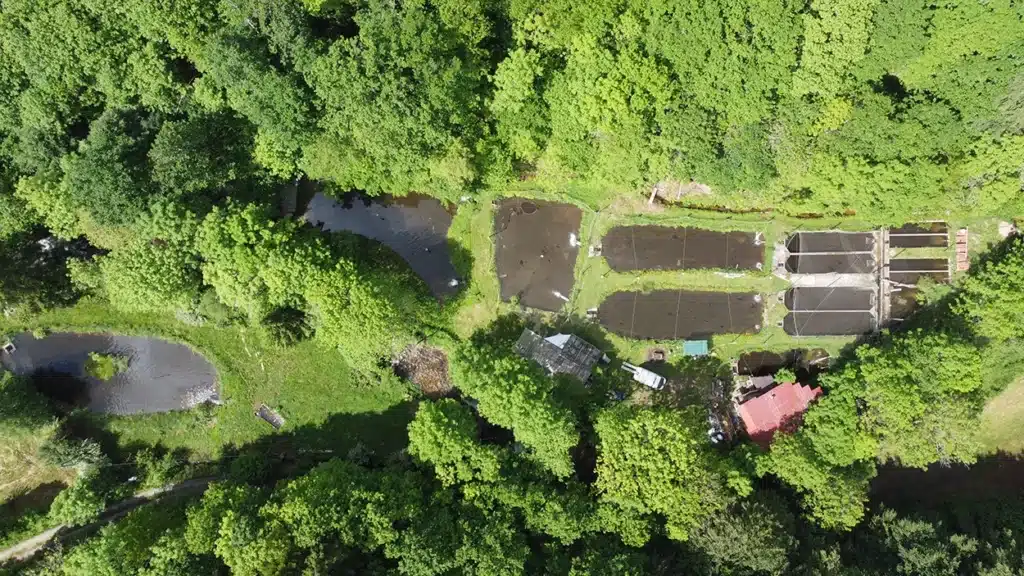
x: 414, y: 226
x: 161, y: 375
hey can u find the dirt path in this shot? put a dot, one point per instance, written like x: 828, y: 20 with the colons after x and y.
x: 27, y: 548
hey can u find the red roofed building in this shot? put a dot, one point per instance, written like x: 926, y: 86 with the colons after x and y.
x: 780, y: 407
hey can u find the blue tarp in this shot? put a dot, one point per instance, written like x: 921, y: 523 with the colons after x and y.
x: 695, y: 347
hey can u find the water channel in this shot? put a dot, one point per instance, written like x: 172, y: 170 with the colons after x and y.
x: 161, y: 376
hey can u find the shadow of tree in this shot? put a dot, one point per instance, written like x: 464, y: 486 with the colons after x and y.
x: 942, y: 488
x: 38, y: 498
x: 293, y: 450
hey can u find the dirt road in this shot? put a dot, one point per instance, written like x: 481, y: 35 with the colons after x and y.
x: 27, y: 548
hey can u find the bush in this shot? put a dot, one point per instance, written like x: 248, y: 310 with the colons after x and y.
x: 286, y: 327
x: 157, y: 470
x: 785, y: 375
x: 213, y: 310
x: 105, y: 366
x: 68, y: 453
x: 86, y: 276
x: 80, y: 503
x: 249, y: 468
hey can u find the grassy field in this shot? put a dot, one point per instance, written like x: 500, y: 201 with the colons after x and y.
x: 472, y: 230
x: 307, y: 384
x: 21, y: 468
x: 1002, y: 422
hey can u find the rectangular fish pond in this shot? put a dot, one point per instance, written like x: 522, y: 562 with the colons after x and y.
x: 663, y: 248
x: 909, y: 271
x: 831, y: 253
x: 850, y: 323
x: 837, y: 311
x: 679, y: 314
x: 161, y: 376
x: 535, y: 251
x: 927, y: 234
x: 414, y: 226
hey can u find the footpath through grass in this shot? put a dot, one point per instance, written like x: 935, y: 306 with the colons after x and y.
x: 307, y: 383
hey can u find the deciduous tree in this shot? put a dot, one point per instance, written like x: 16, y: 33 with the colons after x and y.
x: 444, y: 434
x: 659, y: 461
x: 517, y: 395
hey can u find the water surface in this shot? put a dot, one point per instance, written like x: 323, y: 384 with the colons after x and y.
x: 161, y: 375
x: 414, y: 226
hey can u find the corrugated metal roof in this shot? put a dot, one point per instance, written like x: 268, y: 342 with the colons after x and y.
x: 780, y: 408
x: 560, y: 354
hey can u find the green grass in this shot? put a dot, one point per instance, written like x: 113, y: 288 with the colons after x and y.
x: 472, y: 230
x: 21, y: 468
x: 307, y: 383
x: 1002, y: 421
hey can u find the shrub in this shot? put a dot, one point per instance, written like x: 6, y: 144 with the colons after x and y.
x: 160, y: 470
x: 69, y: 453
x: 80, y: 503
x: 213, y: 310
x: 86, y: 276
x: 249, y: 468
x: 785, y: 375
x: 286, y: 327
x: 105, y: 366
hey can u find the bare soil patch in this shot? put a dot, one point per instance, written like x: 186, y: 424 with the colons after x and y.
x: 535, y: 252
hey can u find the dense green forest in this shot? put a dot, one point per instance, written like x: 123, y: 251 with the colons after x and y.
x: 889, y: 109
x: 154, y: 140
